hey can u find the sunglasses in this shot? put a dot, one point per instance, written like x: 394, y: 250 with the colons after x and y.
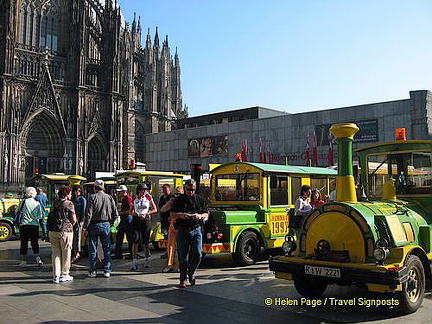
x: 189, y: 189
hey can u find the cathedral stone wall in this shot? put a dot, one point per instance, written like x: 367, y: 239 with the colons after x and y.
x: 78, y: 89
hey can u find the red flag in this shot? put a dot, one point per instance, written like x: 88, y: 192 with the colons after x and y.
x: 314, y: 151
x: 244, y: 151
x: 330, y: 152
x: 307, y: 157
x: 261, y: 156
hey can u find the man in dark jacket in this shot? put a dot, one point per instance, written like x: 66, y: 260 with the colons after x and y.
x: 190, y: 211
x: 101, y: 213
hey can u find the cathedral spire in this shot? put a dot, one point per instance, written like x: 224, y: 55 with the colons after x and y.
x: 156, y: 38
x: 139, y: 23
x: 134, y: 24
x: 148, y: 40
x: 176, y: 59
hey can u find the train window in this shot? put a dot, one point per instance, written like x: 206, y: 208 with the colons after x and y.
x: 411, y: 172
x: 408, y: 231
x: 295, y: 188
x: 278, y: 190
x: 320, y: 184
x: 237, y: 187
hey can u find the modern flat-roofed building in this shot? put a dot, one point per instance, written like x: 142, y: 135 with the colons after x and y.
x: 283, y: 138
x: 230, y: 116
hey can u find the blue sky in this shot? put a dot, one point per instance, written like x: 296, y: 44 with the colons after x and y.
x: 293, y: 55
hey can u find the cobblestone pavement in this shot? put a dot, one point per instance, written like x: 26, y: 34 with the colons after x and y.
x: 224, y: 293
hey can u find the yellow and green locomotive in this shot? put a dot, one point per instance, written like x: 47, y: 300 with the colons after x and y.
x: 380, y: 241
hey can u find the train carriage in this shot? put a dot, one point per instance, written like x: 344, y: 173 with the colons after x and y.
x: 249, y: 203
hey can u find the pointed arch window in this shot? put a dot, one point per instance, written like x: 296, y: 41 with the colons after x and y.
x: 29, y: 24
x: 50, y: 26
x: 25, y: 23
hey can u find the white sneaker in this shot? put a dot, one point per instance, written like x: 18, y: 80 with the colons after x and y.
x: 107, y: 274
x: 65, y: 278
x: 23, y: 263
x: 134, y: 266
x: 39, y: 261
x: 141, y: 254
x: 56, y: 280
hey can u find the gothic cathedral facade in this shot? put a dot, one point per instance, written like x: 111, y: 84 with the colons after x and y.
x: 78, y: 90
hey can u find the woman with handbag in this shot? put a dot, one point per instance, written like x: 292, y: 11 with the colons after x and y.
x: 29, y: 214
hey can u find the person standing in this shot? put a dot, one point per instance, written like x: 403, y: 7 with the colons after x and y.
x: 29, y: 224
x: 80, y: 204
x: 43, y: 201
x: 190, y: 211
x: 172, y: 232
x: 142, y: 209
x: 164, y: 215
x: 124, y: 227
x: 61, y: 238
x: 100, y: 214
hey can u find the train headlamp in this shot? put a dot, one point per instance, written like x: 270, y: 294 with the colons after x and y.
x: 289, y: 245
x: 289, y: 238
x: 381, y: 254
x: 323, y: 248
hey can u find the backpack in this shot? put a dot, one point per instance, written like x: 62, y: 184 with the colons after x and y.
x: 55, y: 218
x: 19, y: 214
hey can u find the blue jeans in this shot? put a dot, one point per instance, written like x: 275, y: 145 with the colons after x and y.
x: 124, y: 228
x: 189, y: 249
x: 102, y: 231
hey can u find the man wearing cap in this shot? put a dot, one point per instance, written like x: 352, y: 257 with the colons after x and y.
x: 101, y: 213
x: 190, y: 212
x: 125, y: 222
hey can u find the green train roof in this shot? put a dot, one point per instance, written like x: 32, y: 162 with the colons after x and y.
x: 395, y: 145
x: 284, y: 168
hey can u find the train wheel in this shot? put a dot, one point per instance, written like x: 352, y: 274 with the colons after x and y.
x: 5, y: 231
x: 310, y: 287
x: 247, y: 249
x: 413, y: 289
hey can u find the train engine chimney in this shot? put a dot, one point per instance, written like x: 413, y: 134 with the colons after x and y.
x: 345, y: 185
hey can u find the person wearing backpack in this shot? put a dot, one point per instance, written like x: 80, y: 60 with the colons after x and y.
x: 60, y: 230
x: 29, y: 221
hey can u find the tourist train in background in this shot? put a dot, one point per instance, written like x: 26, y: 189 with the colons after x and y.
x: 248, y: 206
x: 49, y: 183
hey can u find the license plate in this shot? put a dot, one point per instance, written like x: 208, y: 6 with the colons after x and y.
x: 322, y: 271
